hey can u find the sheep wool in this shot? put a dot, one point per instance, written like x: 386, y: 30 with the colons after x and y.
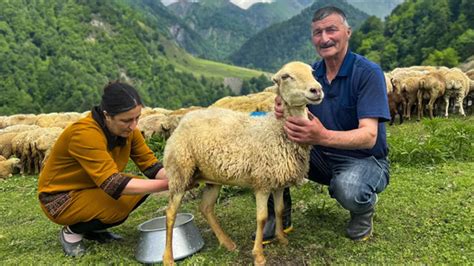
x: 234, y: 148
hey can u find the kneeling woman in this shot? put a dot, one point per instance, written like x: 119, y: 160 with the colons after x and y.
x: 82, y: 185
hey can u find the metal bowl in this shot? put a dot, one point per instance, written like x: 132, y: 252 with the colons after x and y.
x: 151, y: 245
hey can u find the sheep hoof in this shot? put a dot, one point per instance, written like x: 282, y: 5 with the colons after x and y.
x: 260, y: 260
x: 230, y: 245
x: 283, y: 241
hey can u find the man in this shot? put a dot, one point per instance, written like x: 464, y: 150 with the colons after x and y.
x: 346, y: 130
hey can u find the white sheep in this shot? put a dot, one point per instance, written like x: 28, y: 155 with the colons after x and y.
x: 31, y: 145
x: 432, y: 86
x: 409, y: 89
x: 151, y: 124
x: 23, y: 119
x: 254, y: 102
x: 457, y: 85
x: 220, y: 146
x: 8, y: 166
x: 163, y: 124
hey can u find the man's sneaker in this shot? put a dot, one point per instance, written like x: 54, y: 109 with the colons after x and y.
x: 102, y: 236
x: 360, y: 226
x: 71, y: 249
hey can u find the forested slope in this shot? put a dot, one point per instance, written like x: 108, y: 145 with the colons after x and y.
x: 57, y: 55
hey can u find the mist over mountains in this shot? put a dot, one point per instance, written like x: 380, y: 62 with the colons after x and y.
x: 244, y: 4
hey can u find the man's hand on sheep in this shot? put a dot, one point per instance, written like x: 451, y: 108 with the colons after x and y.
x: 300, y: 130
x: 305, y: 131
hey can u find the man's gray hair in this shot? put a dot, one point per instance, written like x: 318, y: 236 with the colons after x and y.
x: 326, y: 11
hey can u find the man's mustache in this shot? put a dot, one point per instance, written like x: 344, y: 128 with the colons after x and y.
x: 327, y: 44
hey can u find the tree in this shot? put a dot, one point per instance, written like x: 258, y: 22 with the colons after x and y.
x: 447, y: 57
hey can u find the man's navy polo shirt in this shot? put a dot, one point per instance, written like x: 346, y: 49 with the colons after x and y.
x: 358, y: 91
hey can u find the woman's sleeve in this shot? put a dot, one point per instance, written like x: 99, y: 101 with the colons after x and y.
x: 143, y: 156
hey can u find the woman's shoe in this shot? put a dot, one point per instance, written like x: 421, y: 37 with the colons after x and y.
x: 102, y: 236
x: 71, y: 249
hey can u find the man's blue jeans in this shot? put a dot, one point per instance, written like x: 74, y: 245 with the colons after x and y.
x: 353, y: 182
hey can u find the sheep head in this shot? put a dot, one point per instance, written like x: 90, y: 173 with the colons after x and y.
x: 297, y: 87
x: 8, y: 167
x: 14, y: 162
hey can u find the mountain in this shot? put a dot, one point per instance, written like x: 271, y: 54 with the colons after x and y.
x: 280, y: 9
x: 378, y: 8
x: 266, y: 14
x: 289, y: 40
x: 225, y: 26
x: 171, y: 26
x: 56, y: 56
x: 222, y: 24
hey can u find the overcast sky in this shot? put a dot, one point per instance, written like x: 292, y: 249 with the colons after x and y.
x: 242, y: 3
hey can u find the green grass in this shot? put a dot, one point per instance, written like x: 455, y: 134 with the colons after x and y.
x: 208, y: 68
x: 425, y: 216
x: 187, y: 63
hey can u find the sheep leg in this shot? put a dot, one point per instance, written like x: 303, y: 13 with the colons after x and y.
x: 209, y: 197
x: 400, y: 114
x: 262, y: 215
x: 411, y: 101
x: 446, y: 102
x: 404, y: 105
x: 459, y: 100
x: 29, y: 159
x: 23, y: 160
x: 40, y: 160
x: 173, y: 205
x: 430, y: 105
x: 280, y: 235
x: 420, y: 104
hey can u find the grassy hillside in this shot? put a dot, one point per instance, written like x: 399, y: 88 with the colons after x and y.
x: 185, y: 62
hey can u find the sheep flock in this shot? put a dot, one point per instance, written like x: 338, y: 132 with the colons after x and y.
x: 436, y: 91
x: 428, y: 87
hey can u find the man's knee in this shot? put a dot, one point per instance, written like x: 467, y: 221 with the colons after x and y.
x: 355, y: 197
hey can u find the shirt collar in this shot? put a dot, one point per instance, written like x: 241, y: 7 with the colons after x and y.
x: 344, y: 71
x: 112, y: 141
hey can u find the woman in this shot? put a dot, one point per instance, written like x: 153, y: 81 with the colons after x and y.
x: 82, y: 185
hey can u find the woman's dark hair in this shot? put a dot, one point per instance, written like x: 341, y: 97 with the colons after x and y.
x: 119, y: 97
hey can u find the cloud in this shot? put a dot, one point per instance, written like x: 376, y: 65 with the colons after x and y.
x: 241, y: 3
x: 247, y: 3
